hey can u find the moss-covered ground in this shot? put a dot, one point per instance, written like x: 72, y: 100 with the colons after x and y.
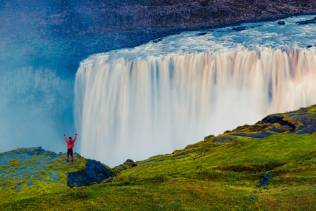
x: 219, y: 173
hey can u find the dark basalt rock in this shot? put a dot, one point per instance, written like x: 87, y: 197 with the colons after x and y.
x: 272, y: 119
x: 308, y: 125
x: 281, y: 23
x: 279, y: 119
x: 302, y: 121
x: 95, y: 172
x: 129, y: 163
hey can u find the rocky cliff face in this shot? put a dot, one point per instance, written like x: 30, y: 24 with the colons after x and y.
x: 103, y: 16
x: 109, y: 15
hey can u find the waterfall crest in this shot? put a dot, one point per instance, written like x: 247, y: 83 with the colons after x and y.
x: 134, y: 108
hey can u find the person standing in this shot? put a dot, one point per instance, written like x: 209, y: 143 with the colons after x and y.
x: 70, y: 145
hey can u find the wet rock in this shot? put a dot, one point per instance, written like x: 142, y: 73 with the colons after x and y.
x: 94, y: 172
x: 281, y: 23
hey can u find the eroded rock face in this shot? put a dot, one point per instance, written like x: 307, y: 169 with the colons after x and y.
x: 95, y: 172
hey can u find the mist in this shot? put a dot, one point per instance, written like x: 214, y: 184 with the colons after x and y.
x: 32, y: 105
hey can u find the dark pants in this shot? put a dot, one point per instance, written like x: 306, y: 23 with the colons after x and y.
x: 70, y: 153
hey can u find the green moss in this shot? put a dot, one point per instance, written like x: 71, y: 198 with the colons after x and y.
x: 13, y: 163
x: 219, y: 173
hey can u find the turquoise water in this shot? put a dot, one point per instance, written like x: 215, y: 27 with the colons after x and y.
x: 254, y: 35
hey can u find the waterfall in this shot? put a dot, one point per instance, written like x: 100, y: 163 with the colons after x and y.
x: 171, y: 92
x: 137, y: 107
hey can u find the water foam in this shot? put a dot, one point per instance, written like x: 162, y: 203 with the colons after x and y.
x: 133, y: 103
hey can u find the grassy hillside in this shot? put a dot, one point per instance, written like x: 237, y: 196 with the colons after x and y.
x: 267, y: 166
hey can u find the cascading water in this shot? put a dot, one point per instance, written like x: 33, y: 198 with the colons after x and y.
x: 133, y: 103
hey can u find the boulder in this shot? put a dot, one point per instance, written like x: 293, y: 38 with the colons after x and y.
x: 129, y: 163
x: 281, y: 23
x: 94, y: 172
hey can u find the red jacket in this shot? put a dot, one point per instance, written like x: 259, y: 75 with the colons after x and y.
x: 70, y: 142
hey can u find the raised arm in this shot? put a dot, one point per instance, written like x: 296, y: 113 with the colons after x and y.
x: 65, y: 138
x: 76, y: 136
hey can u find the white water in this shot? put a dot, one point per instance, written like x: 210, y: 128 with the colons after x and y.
x: 134, y: 103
